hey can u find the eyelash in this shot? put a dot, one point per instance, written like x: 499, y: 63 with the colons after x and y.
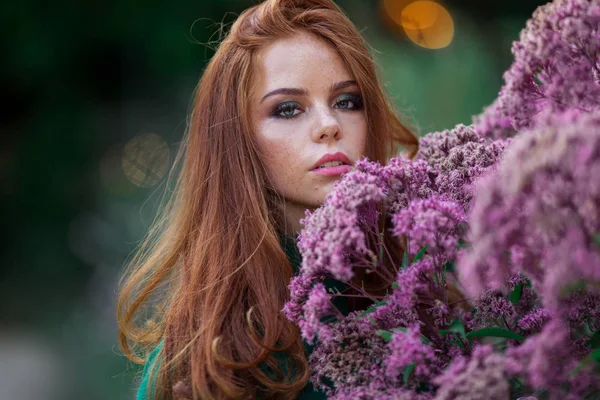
x: 356, y: 99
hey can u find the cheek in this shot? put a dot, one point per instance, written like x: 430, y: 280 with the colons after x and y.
x: 363, y: 139
x: 281, y: 160
x: 357, y: 134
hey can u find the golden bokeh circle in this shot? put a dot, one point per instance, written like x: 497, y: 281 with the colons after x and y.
x: 146, y: 159
x: 425, y: 22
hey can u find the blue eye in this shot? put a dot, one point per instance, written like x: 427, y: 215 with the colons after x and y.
x: 354, y: 99
x: 349, y: 102
x: 285, y: 108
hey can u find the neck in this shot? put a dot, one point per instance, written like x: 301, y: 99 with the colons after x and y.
x: 293, y: 213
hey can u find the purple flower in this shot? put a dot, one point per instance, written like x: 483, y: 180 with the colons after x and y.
x: 336, y: 231
x: 574, y: 264
x: 492, y: 309
x: 581, y: 308
x: 482, y: 376
x: 351, y: 358
x: 392, y: 315
x: 435, y: 147
x: 300, y: 287
x: 534, y: 321
x: 408, y: 347
x: 441, y: 314
x: 543, y: 357
x: 547, y: 360
x: 407, y: 180
x: 372, y: 392
x: 556, y: 67
x: 412, y: 281
x: 537, y: 213
x: 526, y: 179
x: 431, y: 222
x: 460, y: 156
x: 317, y: 307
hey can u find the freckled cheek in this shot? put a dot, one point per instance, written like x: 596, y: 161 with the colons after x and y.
x: 285, y: 162
x: 356, y: 135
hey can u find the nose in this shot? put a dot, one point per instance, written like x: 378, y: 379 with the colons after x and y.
x: 326, y: 125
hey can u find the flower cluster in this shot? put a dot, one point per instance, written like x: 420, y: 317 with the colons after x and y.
x: 538, y: 213
x: 556, y: 67
x: 459, y: 156
x: 487, y: 244
x: 481, y: 376
x: 352, y: 357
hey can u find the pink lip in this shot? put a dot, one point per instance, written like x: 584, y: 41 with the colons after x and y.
x: 332, y: 171
x: 339, y: 156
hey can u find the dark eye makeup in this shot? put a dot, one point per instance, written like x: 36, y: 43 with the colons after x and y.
x: 286, y: 109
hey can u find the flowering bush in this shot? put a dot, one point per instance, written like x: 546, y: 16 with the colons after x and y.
x: 556, y: 68
x: 496, y: 292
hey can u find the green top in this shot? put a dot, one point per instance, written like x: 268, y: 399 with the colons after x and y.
x: 291, y: 249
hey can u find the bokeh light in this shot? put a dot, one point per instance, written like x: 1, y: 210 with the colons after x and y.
x: 146, y: 159
x: 111, y: 173
x: 426, y: 23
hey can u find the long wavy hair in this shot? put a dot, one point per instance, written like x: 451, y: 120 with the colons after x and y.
x: 210, y: 277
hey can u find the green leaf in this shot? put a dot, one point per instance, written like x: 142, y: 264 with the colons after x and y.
x: 420, y: 254
x: 594, y: 341
x: 596, y: 239
x: 593, y: 356
x: 456, y: 335
x: 495, y: 332
x: 516, y: 321
x: 404, y: 260
x: 456, y: 342
x: 572, y: 287
x: 456, y: 326
x: 402, y: 329
x: 386, y: 335
x: 408, y: 370
x: 371, y: 309
x: 515, y: 295
x: 449, y: 266
x: 518, y: 383
x: 372, y: 320
x: 535, y: 76
x: 462, y: 244
x: 395, y: 285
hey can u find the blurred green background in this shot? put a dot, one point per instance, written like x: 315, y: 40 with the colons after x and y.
x: 91, y: 89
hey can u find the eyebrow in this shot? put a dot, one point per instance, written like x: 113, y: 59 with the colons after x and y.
x: 303, y: 92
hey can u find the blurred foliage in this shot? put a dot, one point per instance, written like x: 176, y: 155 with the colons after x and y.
x: 80, y: 80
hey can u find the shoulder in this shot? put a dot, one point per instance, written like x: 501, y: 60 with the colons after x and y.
x: 148, y: 368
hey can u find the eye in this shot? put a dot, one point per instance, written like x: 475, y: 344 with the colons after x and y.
x: 285, y: 110
x: 350, y: 102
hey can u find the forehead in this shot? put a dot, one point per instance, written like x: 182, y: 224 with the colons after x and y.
x: 301, y: 60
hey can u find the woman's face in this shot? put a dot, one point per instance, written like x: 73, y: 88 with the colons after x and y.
x: 319, y: 112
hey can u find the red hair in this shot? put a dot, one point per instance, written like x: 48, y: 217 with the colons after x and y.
x: 217, y: 238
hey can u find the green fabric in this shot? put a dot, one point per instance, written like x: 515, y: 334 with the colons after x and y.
x: 309, y: 393
x: 141, y: 394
